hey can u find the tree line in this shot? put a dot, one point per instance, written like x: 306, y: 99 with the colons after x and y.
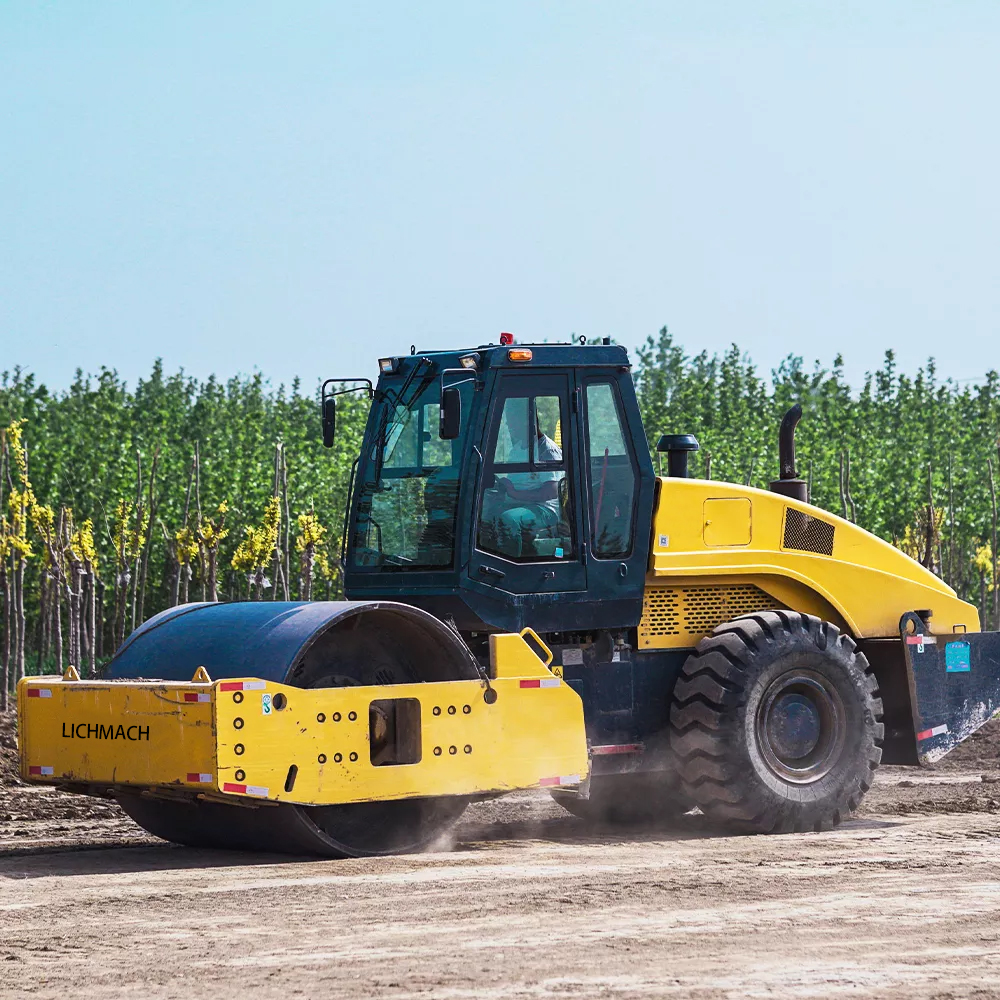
x: 117, y: 502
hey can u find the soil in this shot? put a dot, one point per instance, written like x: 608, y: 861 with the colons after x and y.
x: 522, y: 901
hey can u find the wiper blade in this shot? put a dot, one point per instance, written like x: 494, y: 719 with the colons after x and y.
x: 399, y: 401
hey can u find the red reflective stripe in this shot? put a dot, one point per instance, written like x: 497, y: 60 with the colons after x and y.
x: 231, y: 686
x: 549, y: 781
x: 34, y: 770
x: 188, y: 696
x: 34, y: 693
x: 230, y: 787
x: 536, y: 682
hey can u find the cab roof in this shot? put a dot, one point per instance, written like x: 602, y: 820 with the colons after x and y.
x: 543, y: 355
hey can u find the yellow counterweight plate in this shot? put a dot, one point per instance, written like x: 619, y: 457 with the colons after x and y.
x: 266, y: 741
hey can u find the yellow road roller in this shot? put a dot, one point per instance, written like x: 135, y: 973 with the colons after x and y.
x: 530, y: 606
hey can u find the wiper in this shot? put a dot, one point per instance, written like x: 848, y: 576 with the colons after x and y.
x: 400, y: 400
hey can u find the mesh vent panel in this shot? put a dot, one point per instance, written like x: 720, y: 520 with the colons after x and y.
x: 807, y: 533
x: 661, y: 612
x: 692, y: 612
x: 711, y: 606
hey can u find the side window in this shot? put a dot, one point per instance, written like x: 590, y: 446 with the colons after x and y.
x: 611, y: 473
x: 526, y: 511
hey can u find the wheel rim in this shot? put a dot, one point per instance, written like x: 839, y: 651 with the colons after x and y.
x: 800, y: 726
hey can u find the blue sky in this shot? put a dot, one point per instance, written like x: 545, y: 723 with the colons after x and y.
x: 303, y: 187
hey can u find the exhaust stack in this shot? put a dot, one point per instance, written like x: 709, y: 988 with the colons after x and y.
x: 788, y: 484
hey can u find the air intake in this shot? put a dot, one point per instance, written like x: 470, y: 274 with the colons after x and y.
x: 807, y: 533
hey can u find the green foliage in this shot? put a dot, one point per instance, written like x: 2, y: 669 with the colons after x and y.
x: 917, y: 449
x: 911, y: 441
x: 83, y: 445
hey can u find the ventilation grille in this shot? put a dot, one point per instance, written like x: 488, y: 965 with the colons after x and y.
x: 710, y: 606
x: 807, y: 533
x: 661, y: 612
x: 677, y: 616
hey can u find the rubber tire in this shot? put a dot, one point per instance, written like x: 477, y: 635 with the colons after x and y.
x: 625, y: 799
x: 713, y: 729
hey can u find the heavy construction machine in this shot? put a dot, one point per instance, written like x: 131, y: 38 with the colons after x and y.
x: 530, y: 606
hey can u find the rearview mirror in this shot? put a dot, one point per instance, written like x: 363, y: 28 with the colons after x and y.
x: 329, y: 420
x: 451, y: 414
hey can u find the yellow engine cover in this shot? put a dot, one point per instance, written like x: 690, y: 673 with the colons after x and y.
x: 721, y: 550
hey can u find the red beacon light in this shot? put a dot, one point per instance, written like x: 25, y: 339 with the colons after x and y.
x: 506, y: 339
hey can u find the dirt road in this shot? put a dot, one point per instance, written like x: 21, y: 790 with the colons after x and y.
x: 524, y: 902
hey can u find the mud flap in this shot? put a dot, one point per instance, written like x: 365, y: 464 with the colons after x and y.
x: 954, y: 684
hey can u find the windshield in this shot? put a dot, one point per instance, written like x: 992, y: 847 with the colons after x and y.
x: 408, y: 482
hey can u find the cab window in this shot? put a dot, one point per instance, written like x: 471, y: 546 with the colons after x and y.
x: 526, y: 511
x: 611, y: 473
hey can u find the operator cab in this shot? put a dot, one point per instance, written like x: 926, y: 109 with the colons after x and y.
x: 503, y: 486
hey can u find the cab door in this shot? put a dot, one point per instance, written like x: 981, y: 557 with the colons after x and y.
x: 619, y: 495
x: 527, y: 532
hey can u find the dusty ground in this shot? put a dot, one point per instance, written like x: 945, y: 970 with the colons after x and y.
x: 525, y: 901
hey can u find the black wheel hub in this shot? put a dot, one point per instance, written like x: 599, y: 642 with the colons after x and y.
x: 800, y: 726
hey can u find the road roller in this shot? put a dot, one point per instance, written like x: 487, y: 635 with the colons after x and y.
x: 530, y: 605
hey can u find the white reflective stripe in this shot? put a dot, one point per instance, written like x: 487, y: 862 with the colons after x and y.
x: 549, y: 682
x: 257, y: 790
x: 254, y: 685
x: 48, y: 770
x: 570, y: 779
x: 44, y: 693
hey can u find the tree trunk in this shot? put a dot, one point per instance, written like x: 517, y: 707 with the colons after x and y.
x: 100, y: 619
x: 213, y: 586
x: 197, y: 501
x: 993, y: 511
x: 57, y: 623
x: 847, y: 487
x: 22, y: 621
x: 121, y: 604
x: 288, y: 523
x: 138, y: 535
x: 149, y: 537
x: 843, y: 490
x: 73, y: 594
x: 951, y: 527
x: 175, y: 578
x: 43, y: 618
x: 306, y: 580
x: 5, y: 645
x: 92, y: 617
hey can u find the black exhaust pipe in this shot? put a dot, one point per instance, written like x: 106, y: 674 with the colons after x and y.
x: 788, y: 484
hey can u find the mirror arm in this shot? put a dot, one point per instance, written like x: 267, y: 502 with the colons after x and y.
x: 365, y: 386
x: 461, y: 381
